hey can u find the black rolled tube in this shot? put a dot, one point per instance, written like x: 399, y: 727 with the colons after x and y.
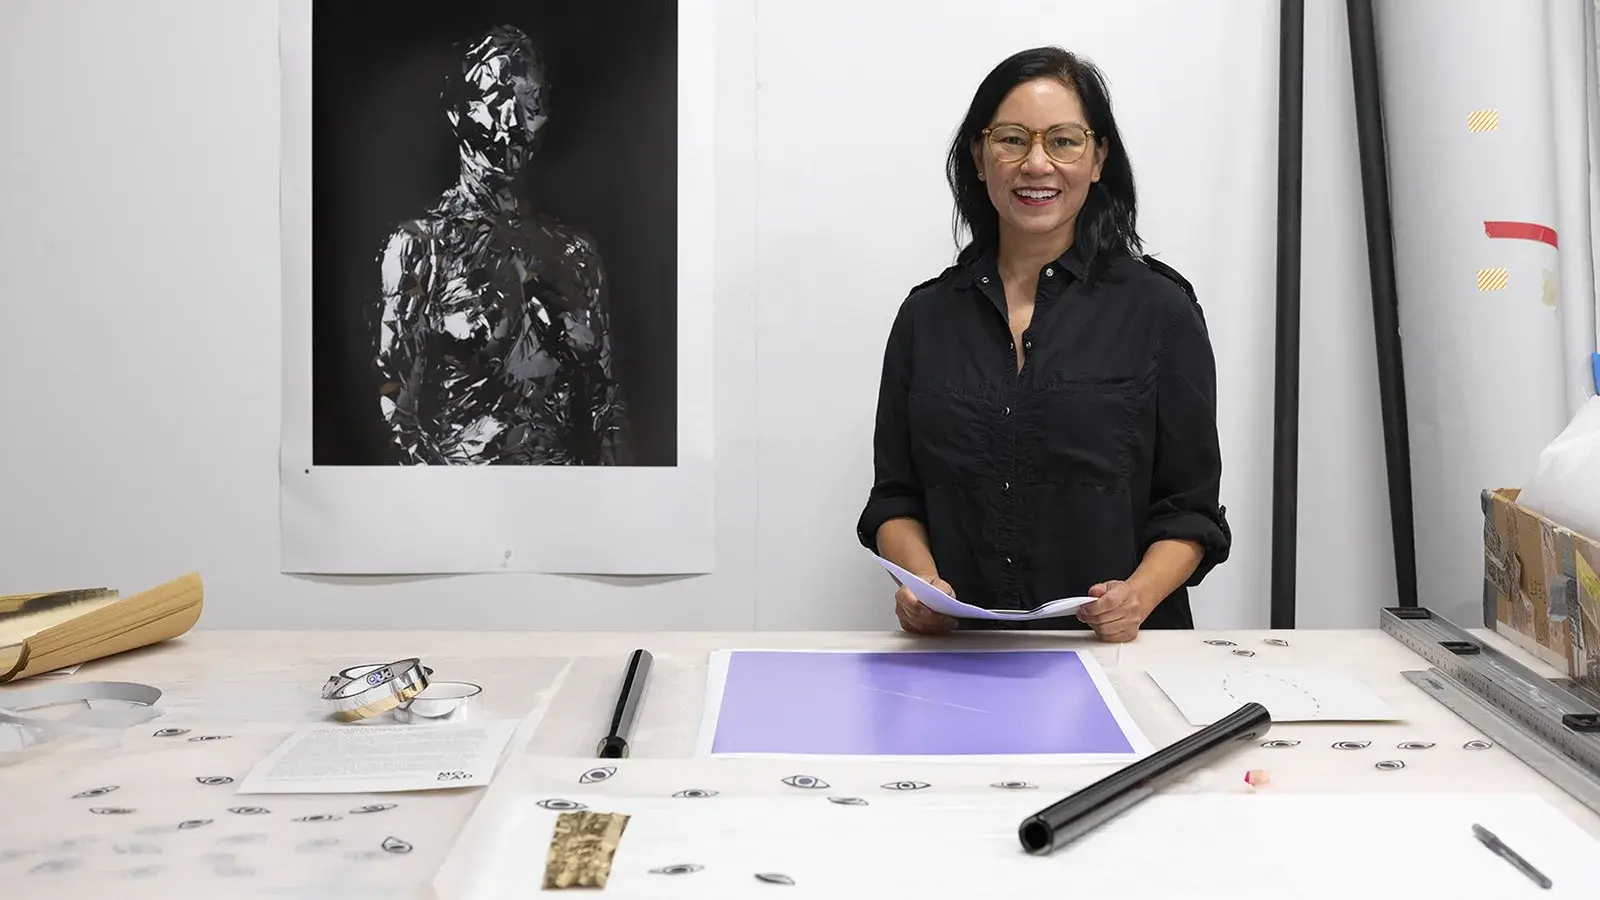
x: 1385, y: 303
x: 1067, y: 820
x: 615, y: 744
x: 1286, y: 377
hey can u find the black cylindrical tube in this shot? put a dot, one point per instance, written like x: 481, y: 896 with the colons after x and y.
x: 1286, y: 391
x: 615, y: 744
x: 1385, y: 305
x: 1066, y: 820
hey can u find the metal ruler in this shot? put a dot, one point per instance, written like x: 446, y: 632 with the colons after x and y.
x: 1552, y: 729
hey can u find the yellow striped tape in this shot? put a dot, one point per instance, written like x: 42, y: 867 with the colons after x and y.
x: 1493, y: 279
x: 1483, y: 120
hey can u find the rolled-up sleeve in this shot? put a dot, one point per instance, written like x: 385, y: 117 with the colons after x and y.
x: 1186, y: 482
x: 896, y: 492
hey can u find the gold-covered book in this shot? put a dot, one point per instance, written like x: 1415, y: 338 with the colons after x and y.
x: 42, y: 632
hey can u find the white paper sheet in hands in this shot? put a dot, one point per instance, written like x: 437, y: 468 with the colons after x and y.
x: 940, y: 602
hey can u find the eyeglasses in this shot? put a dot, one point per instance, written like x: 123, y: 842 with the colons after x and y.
x: 1064, y: 143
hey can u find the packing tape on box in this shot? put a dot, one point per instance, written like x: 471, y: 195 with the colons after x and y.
x: 403, y: 690
x: 25, y: 733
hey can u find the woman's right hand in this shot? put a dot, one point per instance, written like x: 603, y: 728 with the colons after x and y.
x: 918, y: 619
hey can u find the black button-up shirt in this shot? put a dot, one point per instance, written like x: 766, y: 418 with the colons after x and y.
x: 1039, y: 483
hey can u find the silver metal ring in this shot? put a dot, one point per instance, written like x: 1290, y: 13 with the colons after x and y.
x: 441, y: 701
x: 362, y: 692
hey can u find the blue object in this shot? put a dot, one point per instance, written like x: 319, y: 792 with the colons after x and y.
x: 902, y: 703
x: 1594, y: 362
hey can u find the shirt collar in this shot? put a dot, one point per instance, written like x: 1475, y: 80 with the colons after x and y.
x: 986, y: 266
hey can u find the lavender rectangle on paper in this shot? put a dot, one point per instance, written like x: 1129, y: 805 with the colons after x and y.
x: 919, y: 703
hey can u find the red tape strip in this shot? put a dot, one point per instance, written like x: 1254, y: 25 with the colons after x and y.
x: 1522, y: 231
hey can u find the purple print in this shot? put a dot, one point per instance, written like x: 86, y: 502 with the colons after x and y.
x: 1026, y: 702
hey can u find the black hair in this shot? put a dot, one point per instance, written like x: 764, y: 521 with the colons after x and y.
x: 1106, y: 226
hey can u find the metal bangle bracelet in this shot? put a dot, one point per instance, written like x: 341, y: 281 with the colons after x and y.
x: 377, y: 691
x: 356, y: 673
x: 441, y: 701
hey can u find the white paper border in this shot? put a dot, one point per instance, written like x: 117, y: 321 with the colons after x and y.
x: 717, y: 678
x: 557, y: 519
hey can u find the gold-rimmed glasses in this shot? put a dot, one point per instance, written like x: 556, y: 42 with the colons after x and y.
x: 1063, y: 143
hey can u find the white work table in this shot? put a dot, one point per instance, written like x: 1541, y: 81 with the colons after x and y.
x: 255, y: 688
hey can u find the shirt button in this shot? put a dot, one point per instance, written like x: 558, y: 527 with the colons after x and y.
x: 1006, y: 487
x: 1050, y: 272
x: 1027, y: 345
x: 1008, y: 560
x: 1007, y: 411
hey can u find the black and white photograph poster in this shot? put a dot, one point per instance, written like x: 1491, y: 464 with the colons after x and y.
x: 497, y: 286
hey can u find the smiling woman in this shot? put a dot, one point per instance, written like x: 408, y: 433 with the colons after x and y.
x: 1046, y: 421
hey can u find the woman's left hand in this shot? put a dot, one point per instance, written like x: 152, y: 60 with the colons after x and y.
x: 1117, y: 611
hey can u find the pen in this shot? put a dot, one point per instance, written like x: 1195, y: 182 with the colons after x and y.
x: 615, y: 744
x: 1488, y: 839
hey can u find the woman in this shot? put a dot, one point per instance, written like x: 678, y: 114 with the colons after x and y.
x: 1046, y: 421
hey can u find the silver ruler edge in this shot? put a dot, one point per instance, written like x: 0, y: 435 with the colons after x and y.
x: 1535, y: 706
x: 1506, y: 733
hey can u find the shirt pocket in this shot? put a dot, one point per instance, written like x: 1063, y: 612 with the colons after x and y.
x: 1082, y: 431
x: 952, y: 433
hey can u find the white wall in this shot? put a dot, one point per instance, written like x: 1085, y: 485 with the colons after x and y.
x: 139, y: 326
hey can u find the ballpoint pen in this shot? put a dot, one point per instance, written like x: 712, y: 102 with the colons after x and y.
x: 1488, y: 839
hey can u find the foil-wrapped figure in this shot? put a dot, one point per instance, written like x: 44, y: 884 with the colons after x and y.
x: 493, y: 335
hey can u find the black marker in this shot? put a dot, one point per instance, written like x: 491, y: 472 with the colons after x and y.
x: 615, y: 744
x: 1488, y: 839
x: 1067, y: 820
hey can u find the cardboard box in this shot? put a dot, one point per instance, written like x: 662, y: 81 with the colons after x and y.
x: 1540, y: 587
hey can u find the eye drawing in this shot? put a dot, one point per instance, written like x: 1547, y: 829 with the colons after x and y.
x: 320, y: 817
x: 110, y: 810
x: 214, y: 779
x: 1414, y: 745
x: 809, y: 782
x: 95, y: 792
x: 249, y: 810
x: 904, y: 785
x: 1476, y: 745
x: 56, y: 865
x: 1389, y: 765
x: 848, y: 801
x: 695, y: 793
x: 774, y: 878
x: 1244, y: 653
x: 209, y: 737
x: 1276, y: 642
x: 1221, y: 643
x: 561, y: 805
x: 1278, y: 743
x: 170, y: 732
x: 1013, y: 785
x: 1352, y: 745
x: 678, y: 869
x: 372, y: 808
x: 600, y: 774
x: 193, y: 823
x: 393, y: 844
